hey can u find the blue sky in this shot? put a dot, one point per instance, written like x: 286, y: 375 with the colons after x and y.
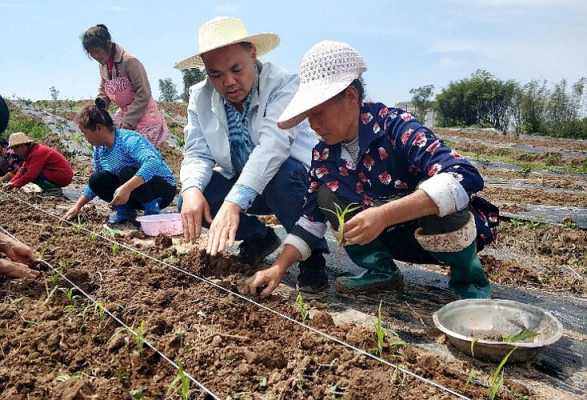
x: 405, y: 44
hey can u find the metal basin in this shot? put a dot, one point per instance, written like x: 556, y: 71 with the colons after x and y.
x: 486, y: 321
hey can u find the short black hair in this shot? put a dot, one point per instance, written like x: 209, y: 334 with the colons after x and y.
x: 358, y: 84
x: 96, y: 37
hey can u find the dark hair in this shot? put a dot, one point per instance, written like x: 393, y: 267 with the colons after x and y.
x: 358, y: 84
x: 96, y: 37
x: 91, y: 116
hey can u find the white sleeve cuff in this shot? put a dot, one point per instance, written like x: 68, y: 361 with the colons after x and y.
x: 446, y: 192
x: 299, y: 244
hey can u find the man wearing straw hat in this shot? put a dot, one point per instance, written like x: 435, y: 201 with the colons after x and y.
x: 408, y: 196
x: 237, y: 163
x: 19, y: 255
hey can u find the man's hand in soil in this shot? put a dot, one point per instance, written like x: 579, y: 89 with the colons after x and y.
x: 223, y: 228
x: 120, y: 196
x: 194, y: 208
x: 16, y: 270
x: 265, y: 281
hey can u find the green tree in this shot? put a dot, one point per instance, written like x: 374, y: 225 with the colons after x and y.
x: 190, y: 78
x: 422, y: 100
x: 168, y: 90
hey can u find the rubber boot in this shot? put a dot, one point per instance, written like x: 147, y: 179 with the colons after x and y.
x: 458, y: 249
x: 467, y: 278
x: 121, y: 215
x: 381, y: 272
x: 152, y: 207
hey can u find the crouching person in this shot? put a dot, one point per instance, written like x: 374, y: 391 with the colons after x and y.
x: 41, y: 165
x: 129, y: 172
x: 410, y: 197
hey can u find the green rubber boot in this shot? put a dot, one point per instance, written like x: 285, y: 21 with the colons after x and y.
x: 467, y: 278
x: 381, y: 274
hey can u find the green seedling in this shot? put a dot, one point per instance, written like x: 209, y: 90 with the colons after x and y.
x: 54, y: 279
x: 137, y: 394
x: 100, y: 310
x: 497, y: 378
x: 71, y: 298
x: 111, y: 232
x: 379, y: 332
x: 341, y: 215
x: 115, y: 249
x: 302, y: 307
x: 93, y: 236
x: 522, y: 336
x: 181, y: 384
x: 140, y: 337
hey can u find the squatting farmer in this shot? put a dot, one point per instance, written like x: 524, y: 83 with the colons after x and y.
x: 237, y: 162
x: 413, y: 197
x: 128, y: 171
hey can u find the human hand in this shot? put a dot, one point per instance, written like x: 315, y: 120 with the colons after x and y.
x: 223, y: 228
x: 365, y: 227
x: 17, y: 270
x: 120, y: 196
x: 194, y: 207
x: 267, y: 279
x: 71, y: 213
x: 19, y: 252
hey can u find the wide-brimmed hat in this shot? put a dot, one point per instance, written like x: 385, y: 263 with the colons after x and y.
x: 325, y: 71
x: 18, y: 138
x: 224, y: 31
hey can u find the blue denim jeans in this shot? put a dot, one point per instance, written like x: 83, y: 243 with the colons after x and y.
x: 283, y: 196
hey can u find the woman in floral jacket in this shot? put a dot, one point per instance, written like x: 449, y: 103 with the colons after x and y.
x: 411, y: 198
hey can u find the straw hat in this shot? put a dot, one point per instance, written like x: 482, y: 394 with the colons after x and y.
x: 224, y: 31
x: 18, y: 138
x: 325, y: 71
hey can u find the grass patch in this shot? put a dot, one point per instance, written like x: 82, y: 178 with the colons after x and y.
x: 18, y: 122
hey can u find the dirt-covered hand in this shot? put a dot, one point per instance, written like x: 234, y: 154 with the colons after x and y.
x: 71, y: 213
x: 223, y: 228
x: 364, y: 227
x: 265, y: 281
x: 16, y: 270
x: 193, y: 209
x: 19, y: 252
x: 120, y: 196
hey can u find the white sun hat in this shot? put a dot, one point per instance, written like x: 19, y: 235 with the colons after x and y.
x: 18, y: 138
x: 325, y: 71
x: 224, y: 31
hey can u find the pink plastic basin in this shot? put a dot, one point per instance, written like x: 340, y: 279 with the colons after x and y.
x: 166, y: 224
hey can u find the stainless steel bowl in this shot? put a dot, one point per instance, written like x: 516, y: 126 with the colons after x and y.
x: 485, y: 321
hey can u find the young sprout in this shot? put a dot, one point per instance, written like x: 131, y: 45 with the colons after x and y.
x: 140, y: 337
x: 137, y: 394
x: 100, y: 310
x: 522, y: 336
x: 497, y: 377
x: 302, y: 308
x: 54, y: 279
x: 379, y: 332
x: 115, y: 249
x: 93, y: 236
x: 340, y: 215
x: 180, y: 383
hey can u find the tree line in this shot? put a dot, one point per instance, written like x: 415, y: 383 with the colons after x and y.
x: 485, y: 101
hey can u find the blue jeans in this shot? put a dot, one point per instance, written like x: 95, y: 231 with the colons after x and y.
x: 283, y: 196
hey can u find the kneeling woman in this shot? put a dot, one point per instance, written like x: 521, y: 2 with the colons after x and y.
x: 129, y: 172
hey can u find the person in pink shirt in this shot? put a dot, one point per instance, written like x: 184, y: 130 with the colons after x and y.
x: 123, y: 81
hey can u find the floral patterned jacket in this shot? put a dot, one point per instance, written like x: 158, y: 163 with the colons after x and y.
x: 396, y: 154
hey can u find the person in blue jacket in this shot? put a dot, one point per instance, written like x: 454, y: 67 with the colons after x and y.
x: 409, y: 196
x: 129, y: 172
